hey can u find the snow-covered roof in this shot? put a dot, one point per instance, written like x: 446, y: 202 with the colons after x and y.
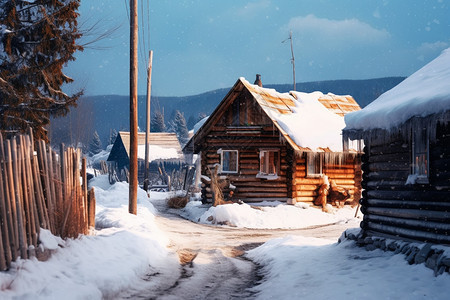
x: 163, y: 145
x: 424, y: 93
x: 311, y: 121
x: 199, y: 124
x: 307, y: 121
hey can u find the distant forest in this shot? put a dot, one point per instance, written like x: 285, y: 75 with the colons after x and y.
x: 111, y: 112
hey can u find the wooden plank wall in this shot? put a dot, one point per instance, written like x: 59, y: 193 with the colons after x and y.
x: 248, y: 142
x: 347, y: 175
x: 391, y: 208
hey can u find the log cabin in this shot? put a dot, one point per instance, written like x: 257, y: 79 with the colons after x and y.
x: 406, y: 160
x: 165, y: 150
x: 277, y: 146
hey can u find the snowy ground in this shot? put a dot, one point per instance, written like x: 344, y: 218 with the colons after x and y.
x: 128, y: 252
x: 267, y: 215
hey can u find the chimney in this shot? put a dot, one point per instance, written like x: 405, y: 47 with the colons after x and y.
x: 258, y: 80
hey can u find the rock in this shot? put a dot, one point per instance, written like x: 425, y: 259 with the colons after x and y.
x: 431, y: 261
x: 377, y: 243
x: 408, y: 252
x: 446, y: 261
x: 392, y: 246
x: 383, y: 245
x: 351, y: 236
x: 405, y: 248
x: 422, y: 255
x: 439, y: 270
x: 368, y: 240
x: 360, y: 242
x: 370, y: 247
x: 411, y: 257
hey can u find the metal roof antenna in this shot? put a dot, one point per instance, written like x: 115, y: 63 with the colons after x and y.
x: 292, y: 55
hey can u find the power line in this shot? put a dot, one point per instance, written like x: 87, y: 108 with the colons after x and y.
x: 126, y: 8
x: 143, y: 40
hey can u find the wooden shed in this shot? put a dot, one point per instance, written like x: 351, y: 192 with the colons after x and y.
x: 164, y: 149
x: 406, y: 161
x: 276, y: 146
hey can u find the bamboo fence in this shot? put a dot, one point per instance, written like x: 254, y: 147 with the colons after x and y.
x: 39, y: 188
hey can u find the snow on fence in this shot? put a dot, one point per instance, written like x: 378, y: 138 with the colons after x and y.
x: 39, y: 189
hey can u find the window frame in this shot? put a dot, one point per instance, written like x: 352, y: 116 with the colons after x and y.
x: 264, y: 174
x: 315, y: 156
x: 222, y: 152
x: 416, y: 151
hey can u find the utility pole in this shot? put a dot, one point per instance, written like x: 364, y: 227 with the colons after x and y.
x: 292, y: 55
x: 133, y: 175
x: 147, y: 131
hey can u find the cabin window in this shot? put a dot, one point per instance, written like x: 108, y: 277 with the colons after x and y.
x: 314, y: 163
x: 228, y: 161
x: 420, y: 154
x: 269, y: 163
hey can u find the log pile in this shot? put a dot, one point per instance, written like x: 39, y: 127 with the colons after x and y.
x: 345, y: 178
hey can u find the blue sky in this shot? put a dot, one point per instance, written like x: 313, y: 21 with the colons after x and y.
x: 202, y: 45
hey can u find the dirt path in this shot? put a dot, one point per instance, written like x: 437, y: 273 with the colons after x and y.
x: 212, y: 266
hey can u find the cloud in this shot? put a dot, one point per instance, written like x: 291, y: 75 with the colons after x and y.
x: 431, y: 49
x: 337, y: 31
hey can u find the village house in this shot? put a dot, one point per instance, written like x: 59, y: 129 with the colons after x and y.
x: 275, y: 146
x: 406, y: 161
x: 164, y: 152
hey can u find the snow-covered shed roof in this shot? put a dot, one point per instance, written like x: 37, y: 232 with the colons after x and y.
x: 424, y: 93
x: 163, y: 145
x: 308, y: 121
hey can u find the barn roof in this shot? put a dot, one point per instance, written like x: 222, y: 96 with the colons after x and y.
x: 307, y: 121
x: 165, y: 145
x: 424, y: 93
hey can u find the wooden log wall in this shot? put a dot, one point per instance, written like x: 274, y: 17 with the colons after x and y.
x: 248, y: 142
x: 412, y: 212
x: 347, y: 174
x: 38, y: 189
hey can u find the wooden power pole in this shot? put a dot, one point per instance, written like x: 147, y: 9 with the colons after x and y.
x: 147, y: 131
x: 133, y: 175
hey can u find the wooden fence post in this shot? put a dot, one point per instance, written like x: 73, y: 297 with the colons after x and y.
x: 18, y: 199
x: 4, y: 208
x: 12, y: 202
x: 91, y: 208
x: 43, y: 191
x: 85, y: 196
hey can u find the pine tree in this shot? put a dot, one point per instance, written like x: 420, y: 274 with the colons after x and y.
x: 191, y: 122
x: 37, y: 38
x: 157, y: 122
x: 201, y: 116
x: 180, y: 127
x: 112, y: 136
x: 95, y: 146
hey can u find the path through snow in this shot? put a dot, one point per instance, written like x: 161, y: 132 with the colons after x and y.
x: 211, y: 262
